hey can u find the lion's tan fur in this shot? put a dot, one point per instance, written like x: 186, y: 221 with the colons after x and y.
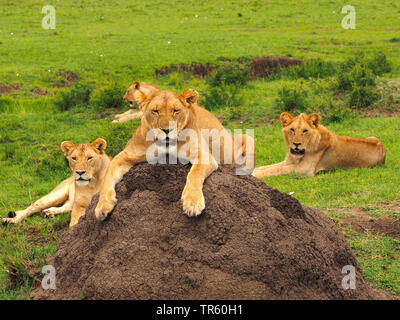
x: 75, y: 193
x: 323, y: 150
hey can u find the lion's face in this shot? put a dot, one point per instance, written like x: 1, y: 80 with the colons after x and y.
x: 301, y: 133
x: 85, y: 160
x: 166, y: 113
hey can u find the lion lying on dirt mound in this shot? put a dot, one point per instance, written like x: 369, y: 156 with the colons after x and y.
x: 89, y: 163
x: 169, y: 121
x: 313, y: 148
x: 251, y: 242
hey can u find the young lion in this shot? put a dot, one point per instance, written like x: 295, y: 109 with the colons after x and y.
x: 89, y: 164
x: 313, y: 148
x: 167, y: 116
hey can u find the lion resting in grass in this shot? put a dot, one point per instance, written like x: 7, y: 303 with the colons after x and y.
x: 169, y: 120
x: 89, y: 164
x: 313, y: 148
x: 130, y: 98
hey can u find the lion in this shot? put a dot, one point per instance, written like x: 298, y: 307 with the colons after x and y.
x: 89, y: 164
x: 167, y: 119
x: 129, y: 97
x: 313, y: 148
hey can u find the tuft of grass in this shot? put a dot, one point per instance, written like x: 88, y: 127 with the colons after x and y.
x: 310, y: 68
x: 110, y: 96
x: 224, y: 86
x: 79, y: 95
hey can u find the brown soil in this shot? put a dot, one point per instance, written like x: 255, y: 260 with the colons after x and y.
x: 39, y: 92
x: 6, y: 88
x: 393, y: 111
x: 263, y: 67
x: 251, y: 242
x: 360, y: 221
x: 67, y: 77
x: 259, y: 67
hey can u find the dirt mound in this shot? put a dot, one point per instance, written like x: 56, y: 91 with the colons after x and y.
x: 251, y: 242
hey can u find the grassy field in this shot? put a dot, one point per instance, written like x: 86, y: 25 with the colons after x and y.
x: 116, y: 42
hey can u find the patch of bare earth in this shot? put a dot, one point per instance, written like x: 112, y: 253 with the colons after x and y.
x: 362, y: 222
x: 66, y: 78
x: 39, y: 92
x: 390, y: 104
x: 6, y: 88
x: 393, y: 111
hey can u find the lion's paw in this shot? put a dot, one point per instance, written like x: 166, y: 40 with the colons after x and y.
x: 48, y: 213
x: 193, y: 201
x: 7, y: 221
x: 105, y: 206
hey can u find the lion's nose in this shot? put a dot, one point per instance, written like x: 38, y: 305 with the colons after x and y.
x: 167, y: 131
x: 296, y: 144
x: 80, y: 172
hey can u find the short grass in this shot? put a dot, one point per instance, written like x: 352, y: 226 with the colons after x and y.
x: 122, y: 41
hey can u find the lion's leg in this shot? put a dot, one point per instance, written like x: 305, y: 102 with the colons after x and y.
x: 131, y: 116
x: 273, y: 170
x: 56, y: 197
x: 123, y: 114
x: 118, y: 167
x: 203, y: 164
x: 53, y: 211
x: 77, y: 212
x: 192, y: 195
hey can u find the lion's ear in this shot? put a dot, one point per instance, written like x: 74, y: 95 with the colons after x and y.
x: 67, y: 147
x: 314, y: 120
x: 286, y: 118
x: 190, y: 96
x: 142, y: 93
x: 100, y: 145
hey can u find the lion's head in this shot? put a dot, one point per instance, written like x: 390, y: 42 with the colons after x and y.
x: 301, y: 133
x: 131, y: 95
x: 85, y: 160
x: 165, y: 112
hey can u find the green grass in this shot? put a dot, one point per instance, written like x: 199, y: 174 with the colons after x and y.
x: 117, y: 42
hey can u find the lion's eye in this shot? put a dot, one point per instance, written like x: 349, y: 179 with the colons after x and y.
x: 176, y: 111
x: 291, y: 129
x: 305, y: 131
x: 89, y: 158
x: 155, y: 111
x: 73, y: 158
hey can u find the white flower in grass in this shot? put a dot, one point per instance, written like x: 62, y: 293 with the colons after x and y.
x: 169, y: 42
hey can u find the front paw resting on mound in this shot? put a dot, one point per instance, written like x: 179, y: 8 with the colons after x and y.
x: 105, y: 205
x: 193, y: 201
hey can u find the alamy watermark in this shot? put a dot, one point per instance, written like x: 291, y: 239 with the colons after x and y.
x: 349, y: 20
x: 49, y: 21
x: 49, y: 280
x: 349, y: 281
